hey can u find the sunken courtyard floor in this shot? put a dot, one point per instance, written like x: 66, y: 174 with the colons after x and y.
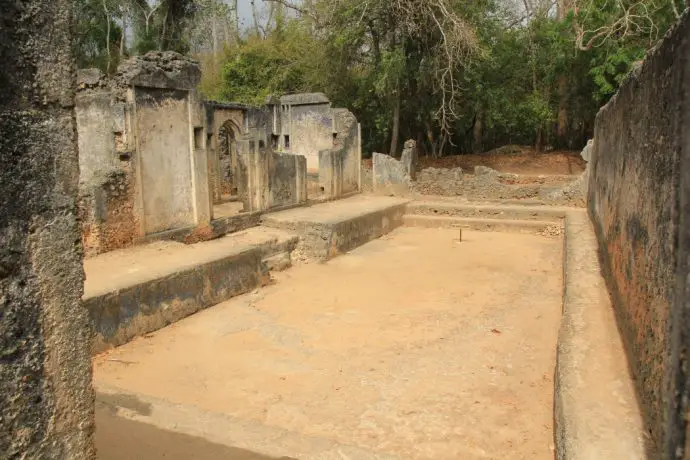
x: 413, y: 346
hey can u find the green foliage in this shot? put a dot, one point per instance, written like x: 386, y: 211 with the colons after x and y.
x: 91, y: 35
x: 259, y: 68
x: 609, y: 71
x: 157, y: 25
x: 496, y: 80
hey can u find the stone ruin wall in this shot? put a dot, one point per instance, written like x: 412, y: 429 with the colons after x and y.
x: 121, y: 199
x: 113, y: 183
x: 46, y: 398
x: 340, y: 166
x: 107, y: 166
x: 267, y: 179
x: 639, y: 188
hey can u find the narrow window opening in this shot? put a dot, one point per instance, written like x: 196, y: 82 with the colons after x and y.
x: 198, y: 138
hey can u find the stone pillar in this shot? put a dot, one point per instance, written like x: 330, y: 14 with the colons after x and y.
x: 252, y: 174
x: 409, y: 159
x: 331, y: 172
x: 46, y: 398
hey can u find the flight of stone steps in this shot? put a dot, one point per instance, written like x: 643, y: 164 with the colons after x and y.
x: 485, y: 216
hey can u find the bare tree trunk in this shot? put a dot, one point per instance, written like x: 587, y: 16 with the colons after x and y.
x: 123, y: 38
x: 162, y: 40
x: 236, y: 21
x: 269, y: 20
x: 226, y: 32
x: 478, y: 134
x: 376, y: 39
x: 255, y: 17
x: 430, y: 139
x: 214, y: 31
x: 562, y: 131
x: 107, y: 37
x: 396, y: 126
x: 563, y: 8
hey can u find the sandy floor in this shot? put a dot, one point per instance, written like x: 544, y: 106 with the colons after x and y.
x: 413, y: 345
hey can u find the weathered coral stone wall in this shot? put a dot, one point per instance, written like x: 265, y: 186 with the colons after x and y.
x: 633, y: 201
x: 142, y: 152
x: 46, y: 399
x: 107, y: 180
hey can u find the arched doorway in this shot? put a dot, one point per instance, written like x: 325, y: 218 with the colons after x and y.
x: 227, y: 152
x: 226, y: 202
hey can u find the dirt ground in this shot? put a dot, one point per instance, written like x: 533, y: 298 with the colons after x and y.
x: 512, y: 159
x: 414, y: 345
x: 122, y: 439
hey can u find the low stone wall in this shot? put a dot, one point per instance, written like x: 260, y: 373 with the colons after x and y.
x: 488, y: 184
x: 269, y: 180
x: 596, y: 414
x: 636, y: 201
x: 390, y: 176
x: 330, y: 229
x: 120, y: 311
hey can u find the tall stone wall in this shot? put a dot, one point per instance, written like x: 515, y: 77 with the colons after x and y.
x: 340, y: 166
x: 635, y: 188
x: 46, y: 399
x: 308, y: 122
x: 142, y: 152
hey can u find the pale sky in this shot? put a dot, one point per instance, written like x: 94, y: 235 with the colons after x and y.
x: 245, y: 11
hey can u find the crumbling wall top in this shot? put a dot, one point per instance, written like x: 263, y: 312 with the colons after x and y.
x: 304, y: 99
x: 157, y: 69
x: 90, y: 79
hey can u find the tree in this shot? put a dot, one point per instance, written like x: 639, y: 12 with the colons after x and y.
x: 97, y: 34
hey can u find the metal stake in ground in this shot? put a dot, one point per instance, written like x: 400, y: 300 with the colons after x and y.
x: 459, y: 229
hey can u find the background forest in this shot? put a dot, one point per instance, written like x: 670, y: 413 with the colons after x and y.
x: 457, y: 75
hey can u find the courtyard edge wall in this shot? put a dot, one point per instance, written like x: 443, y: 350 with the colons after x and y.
x: 634, y: 192
x: 46, y: 401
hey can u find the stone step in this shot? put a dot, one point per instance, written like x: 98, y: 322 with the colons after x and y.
x: 138, y: 290
x: 471, y: 223
x: 333, y: 228
x: 491, y: 211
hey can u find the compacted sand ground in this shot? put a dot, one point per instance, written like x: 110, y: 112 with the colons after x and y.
x: 415, y: 345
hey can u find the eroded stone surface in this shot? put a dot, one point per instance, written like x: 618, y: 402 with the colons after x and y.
x: 46, y: 399
x: 636, y: 186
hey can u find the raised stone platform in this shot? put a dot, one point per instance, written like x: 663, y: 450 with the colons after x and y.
x: 138, y: 290
x: 596, y: 411
x: 336, y: 227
